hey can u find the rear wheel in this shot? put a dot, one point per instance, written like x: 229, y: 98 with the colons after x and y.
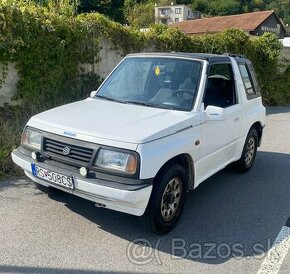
x: 167, y: 200
x: 249, y: 152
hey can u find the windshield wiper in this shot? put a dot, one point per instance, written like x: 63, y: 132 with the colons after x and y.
x: 148, y: 104
x: 110, y: 99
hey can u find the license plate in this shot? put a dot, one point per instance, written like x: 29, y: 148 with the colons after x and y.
x: 52, y: 177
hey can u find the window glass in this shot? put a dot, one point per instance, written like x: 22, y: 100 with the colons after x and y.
x: 165, y: 12
x: 246, y: 79
x: 221, y: 70
x: 157, y: 82
x: 220, y: 90
x: 177, y: 10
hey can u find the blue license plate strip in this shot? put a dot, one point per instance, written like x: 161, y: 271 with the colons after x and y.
x: 52, y: 177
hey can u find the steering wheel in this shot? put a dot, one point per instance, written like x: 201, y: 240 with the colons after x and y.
x: 183, y: 90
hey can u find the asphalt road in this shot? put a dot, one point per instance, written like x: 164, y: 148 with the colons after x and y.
x: 228, y: 224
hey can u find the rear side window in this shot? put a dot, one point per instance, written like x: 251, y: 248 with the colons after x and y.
x: 250, y: 82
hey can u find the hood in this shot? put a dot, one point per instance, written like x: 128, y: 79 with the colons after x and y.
x: 112, y: 121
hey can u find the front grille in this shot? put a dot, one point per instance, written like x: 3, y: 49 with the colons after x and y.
x: 78, y: 154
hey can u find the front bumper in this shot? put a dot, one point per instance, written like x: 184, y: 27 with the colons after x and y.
x: 132, y: 199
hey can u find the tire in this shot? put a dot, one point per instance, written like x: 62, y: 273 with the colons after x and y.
x: 167, y: 200
x: 249, y: 152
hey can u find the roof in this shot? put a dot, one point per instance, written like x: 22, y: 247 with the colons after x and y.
x: 246, y: 22
x: 201, y: 56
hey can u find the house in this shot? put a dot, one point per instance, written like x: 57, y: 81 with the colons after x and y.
x: 254, y: 23
x: 285, y: 42
x: 174, y: 13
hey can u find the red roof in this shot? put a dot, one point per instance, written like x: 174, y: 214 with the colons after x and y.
x: 246, y: 22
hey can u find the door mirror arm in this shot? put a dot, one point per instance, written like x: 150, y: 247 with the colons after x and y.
x: 93, y: 93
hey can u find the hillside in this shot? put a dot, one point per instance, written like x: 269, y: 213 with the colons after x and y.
x: 228, y: 7
x: 209, y: 8
x: 140, y: 13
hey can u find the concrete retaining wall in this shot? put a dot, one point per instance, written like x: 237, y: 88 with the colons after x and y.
x: 108, y: 57
x: 286, y: 54
x: 8, y: 88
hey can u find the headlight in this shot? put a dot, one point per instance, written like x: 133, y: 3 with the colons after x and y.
x: 116, y: 161
x: 31, y: 138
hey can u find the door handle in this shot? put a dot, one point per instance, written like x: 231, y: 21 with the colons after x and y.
x: 237, y: 119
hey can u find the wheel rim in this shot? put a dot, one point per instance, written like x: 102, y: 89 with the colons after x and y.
x: 171, y: 198
x: 250, y: 151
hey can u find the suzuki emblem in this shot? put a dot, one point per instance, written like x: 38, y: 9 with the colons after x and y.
x: 66, y: 150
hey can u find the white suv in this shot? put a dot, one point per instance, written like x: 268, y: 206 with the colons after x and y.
x: 158, y: 126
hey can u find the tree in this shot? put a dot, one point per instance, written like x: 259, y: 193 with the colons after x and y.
x: 224, y: 7
x: 200, y: 5
x: 110, y: 8
x: 59, y: 6
x: 217, y: 7
x: 139, y: 15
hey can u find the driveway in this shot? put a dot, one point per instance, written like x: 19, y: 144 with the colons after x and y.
x: 229, y: 224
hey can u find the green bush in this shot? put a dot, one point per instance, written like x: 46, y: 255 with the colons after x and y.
x: 278, y: 91
x: 264, y: 53
x: 48, y: 47
x: 12, y: 121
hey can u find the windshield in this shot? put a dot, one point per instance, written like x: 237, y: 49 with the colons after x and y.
x: 169, y: 83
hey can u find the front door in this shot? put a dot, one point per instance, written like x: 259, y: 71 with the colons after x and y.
x: 218, y: 138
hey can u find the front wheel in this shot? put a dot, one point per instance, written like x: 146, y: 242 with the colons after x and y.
x: 249, y: 152
x: 167, y: 200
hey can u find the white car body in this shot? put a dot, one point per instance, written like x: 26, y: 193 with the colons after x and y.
x: 210, y: 139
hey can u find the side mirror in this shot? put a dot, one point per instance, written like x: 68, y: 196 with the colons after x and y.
x: 214, y: 113
x: 92, y: 94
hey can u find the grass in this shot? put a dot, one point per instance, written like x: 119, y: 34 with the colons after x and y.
x: 12, y: 121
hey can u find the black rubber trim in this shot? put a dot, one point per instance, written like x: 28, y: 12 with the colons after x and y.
x: 98, y: 178
x: 288, y: 222
x: 261, y: 137
x: 253, y: 80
